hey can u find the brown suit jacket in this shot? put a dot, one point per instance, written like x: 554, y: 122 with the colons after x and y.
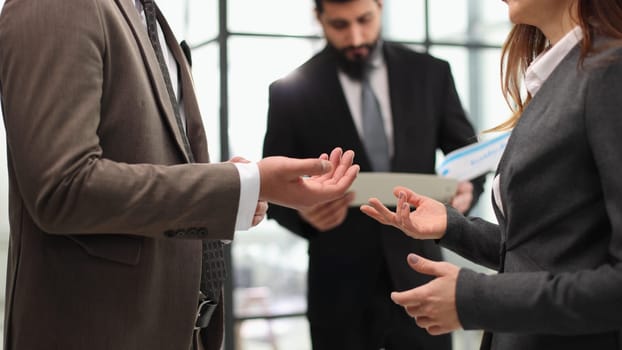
x: 101, y: 196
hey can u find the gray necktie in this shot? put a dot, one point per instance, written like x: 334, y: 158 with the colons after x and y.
x: 213, y: 271
x: 375, y: 138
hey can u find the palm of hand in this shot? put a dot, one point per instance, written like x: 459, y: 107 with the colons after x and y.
x: 428, y: 221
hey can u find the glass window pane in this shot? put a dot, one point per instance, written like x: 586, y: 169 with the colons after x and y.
x: 174, y: 11
x: 286, y: 333
x: 404, y: 20
x: 202, y: 20
x: 270, y: 263
x: 254, y: 64
x: 476, y: 72
x: 458, y: 61
x: 206, y: 74
x: 293, y: 17
x: 270, y: 271
x: 494, y: 108
x: 479, y: 21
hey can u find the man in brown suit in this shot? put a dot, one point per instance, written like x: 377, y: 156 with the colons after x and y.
x: 107, y: 214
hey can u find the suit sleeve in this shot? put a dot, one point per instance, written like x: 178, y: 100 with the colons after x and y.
x: 456, y: 130
x: 280, y: 140
x: 586, y: 300
x: 54, y: 85
x: 473, y: 238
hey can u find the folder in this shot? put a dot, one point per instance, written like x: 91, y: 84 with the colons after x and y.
x: 380, y: 185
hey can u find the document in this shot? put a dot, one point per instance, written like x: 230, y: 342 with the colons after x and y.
x: 380, y: 185
x: 474, y: 160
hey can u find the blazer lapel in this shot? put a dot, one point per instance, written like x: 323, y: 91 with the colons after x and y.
x: 153, y: 69
x: 195, y: 129
x: 402, y: 98
x: 333, y: 101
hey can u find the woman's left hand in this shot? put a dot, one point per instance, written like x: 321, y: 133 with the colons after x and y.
x: 432, y: 305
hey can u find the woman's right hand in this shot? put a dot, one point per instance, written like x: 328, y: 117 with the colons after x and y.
x: 427, y: 221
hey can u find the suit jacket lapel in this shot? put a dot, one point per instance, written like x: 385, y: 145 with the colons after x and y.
x: 401, y: 95
x: 335, y: 102
x: 195, y: 129
x: 153, y: 68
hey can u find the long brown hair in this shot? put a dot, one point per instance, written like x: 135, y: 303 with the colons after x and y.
x: 525, y: 42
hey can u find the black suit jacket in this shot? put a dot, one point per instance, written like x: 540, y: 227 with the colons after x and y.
x: 309, y: 114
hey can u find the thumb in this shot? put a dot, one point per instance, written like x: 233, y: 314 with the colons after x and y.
x: 310, y: 166
x: 425, y: 266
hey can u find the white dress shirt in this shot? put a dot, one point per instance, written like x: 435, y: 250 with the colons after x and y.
x: 248, y: 172
x: 536, y: 74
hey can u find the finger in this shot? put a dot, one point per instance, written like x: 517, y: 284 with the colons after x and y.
x: 412, y: 197
x: 341, y: 166
x: 345, y: 181
x: 333, y: 158
x: 408, y: 298
x: 238, y: 159
x: 437, y: 330
x: 427, y: 267
x: 257, y: 218
x: 398, y: 189
x: 414, y: 311
x: 344, y: 163
x: 308, y: 167
x: 403, y: 219
x: 461, y: 202
x: 402, y: 210
x: 464, y: 187
x: 424, y: 321
x: 378, y: 211
x: 371, y: 212
x: 262, y: 208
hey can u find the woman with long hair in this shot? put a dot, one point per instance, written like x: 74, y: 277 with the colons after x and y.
x: 557, y: 195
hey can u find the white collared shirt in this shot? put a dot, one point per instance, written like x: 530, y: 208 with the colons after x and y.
x: 540, y: 69
x: 379, y: 81
x: 248, y: 172
x: 537, y: 73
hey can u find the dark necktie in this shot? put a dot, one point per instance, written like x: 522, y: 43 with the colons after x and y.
x: 374, y: 137
x: 213, y: 271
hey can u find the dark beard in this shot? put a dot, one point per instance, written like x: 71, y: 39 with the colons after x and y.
x: 353, y: 68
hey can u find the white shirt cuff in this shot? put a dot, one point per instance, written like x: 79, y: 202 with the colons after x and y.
x: 249, y: 194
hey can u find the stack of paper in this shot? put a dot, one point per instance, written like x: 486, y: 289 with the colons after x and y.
x: 380, y: 185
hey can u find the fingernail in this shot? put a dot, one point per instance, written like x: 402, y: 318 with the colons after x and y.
x: 412, y: 258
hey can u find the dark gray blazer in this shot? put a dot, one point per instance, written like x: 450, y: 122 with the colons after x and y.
x: 559, y: 244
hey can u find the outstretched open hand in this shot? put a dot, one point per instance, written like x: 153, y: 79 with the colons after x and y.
x: 427, y: 221
x: 301, y: 183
